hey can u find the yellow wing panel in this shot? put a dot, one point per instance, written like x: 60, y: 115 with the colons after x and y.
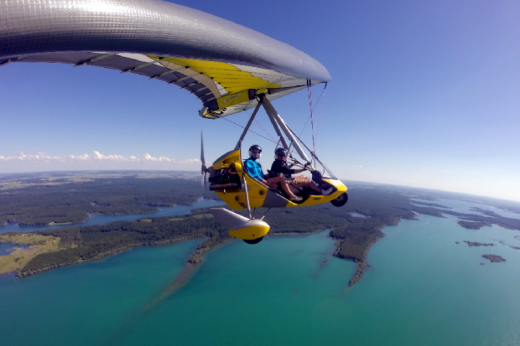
x: 226, y: 80
x: 233, y: 99
x: 224, y: 74
x: 195, y: 64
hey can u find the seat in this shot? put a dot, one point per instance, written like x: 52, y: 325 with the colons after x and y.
x: 296, y: 190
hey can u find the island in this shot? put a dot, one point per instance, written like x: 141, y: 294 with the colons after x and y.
x: 494, y: 258
x: 473, y: 221
x: 510, y: 208
x: 474, y: 243
x: 485, y: 212
x: 473, y: 224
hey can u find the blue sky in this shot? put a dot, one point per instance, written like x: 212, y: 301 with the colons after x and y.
x: 424, y: 93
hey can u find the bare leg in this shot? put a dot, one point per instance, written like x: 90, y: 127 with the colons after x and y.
x: 283, y: 184
x: 314, y: 187
x: 301, y: 181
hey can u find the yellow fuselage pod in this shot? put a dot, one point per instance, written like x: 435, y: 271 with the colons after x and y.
x: 251, y: 231
x: 240, y: 226
x: 259, y: 194
x: 340, y: 189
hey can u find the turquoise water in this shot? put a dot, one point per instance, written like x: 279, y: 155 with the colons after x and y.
x: 96, y: 219
x: 421, y: 289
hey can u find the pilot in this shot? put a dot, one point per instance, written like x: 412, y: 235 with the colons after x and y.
x: 281, y: 169
x: 254, y: 169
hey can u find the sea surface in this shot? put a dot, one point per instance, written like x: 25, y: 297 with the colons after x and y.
x: 422, y: 289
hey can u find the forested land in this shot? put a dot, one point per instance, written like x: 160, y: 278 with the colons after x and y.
x: 60, y: 203
x: 93, y: 242
x: 353, y: 235
x: 73, y: 201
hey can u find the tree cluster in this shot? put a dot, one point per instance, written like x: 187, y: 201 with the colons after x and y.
x: 72, y: 202
x: 354, y: 235
x: 92, y: 242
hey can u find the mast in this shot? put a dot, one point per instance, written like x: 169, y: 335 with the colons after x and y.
x: 278, y: 123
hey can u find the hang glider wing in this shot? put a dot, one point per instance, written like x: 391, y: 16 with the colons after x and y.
x: 223, y: 64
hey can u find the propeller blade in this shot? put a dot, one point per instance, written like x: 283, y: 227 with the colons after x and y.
x: 202, y: 160
x: 204, y: 185
x: 204, y: 169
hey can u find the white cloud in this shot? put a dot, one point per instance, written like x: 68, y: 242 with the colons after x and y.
x: 148, y: 157
x: 28, y: 157
x: 83, y: 157
x: 96, y: 156
x: 190, y: 161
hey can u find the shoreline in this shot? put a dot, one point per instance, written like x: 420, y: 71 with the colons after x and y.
x: 100, y: 256
x: 197, y: 256
x: 362, y: 264
x: 353, y: 236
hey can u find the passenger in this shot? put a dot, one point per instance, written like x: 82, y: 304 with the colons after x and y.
x: 254, y: 169
x: 280, y: 168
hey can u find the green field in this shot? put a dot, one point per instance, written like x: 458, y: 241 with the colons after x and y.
x: 38, y: 244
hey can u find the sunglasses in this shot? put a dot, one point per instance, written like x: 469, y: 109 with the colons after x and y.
x: 281, y: 155
x: 256, y: 151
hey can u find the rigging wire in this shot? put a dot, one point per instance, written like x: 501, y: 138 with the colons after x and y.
x: 309, y: 93
x: 261, y: 126
x: 309, y: 118
x: 321, y: 109
x: 291, y: 151
x: 256, y: 133
x: 256, y: 121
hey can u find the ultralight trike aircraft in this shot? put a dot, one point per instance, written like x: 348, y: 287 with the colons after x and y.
x: 232, y: 183
x: 228, y: 67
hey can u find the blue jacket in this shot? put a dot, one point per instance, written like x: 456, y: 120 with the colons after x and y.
x: 254, y: 169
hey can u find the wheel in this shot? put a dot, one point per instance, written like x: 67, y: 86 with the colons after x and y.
x: 253, y: 241
x: 340, y: 201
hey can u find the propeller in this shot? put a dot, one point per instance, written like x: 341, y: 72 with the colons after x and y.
x: 204, y: 169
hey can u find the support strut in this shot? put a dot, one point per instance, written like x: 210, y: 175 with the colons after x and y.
x: 239, y: 144
x: 247, y: 195
x: 278, y: 124
x: 270, y: 111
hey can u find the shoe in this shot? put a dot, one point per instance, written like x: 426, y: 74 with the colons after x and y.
x: 326, y: 192
x: 297, y: 199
